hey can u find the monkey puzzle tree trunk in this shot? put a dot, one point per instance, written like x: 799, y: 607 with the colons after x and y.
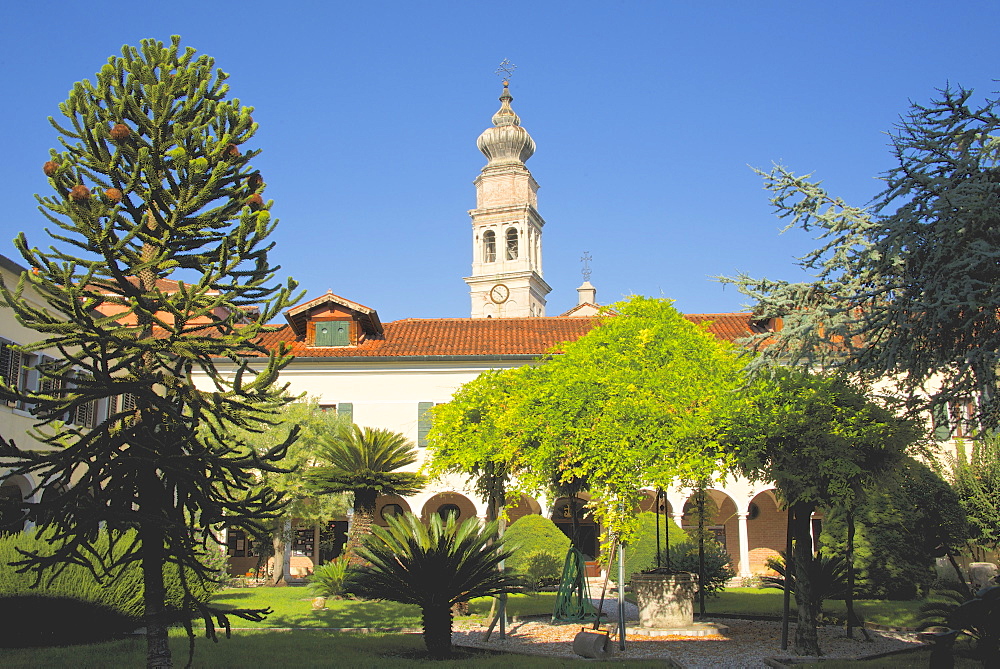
x: 154, y: 592
x: 437, y: 630
x: 806, y: 639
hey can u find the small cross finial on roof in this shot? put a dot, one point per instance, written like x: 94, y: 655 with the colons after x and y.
x: 505, y: 70
x: 586, y: 265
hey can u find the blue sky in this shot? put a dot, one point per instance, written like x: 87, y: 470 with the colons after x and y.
x: 646, y: 116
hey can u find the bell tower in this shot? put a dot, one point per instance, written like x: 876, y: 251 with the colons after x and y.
x: 506, y: 279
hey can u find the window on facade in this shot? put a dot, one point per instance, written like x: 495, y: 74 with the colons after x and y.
x: 391, y: 510
x: 956, y: 420
x: 11, y: 517
x: 511, y: 244
x: 345, y: 409
x: 423, y: 422
x: 333, y: 333
x: 446, y: 510
x: 10, y: 364
x: 489, y: 246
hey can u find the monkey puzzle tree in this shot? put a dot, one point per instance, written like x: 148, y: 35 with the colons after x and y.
x: 159, y: 254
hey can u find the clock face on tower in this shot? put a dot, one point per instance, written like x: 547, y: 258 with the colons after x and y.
x: 499, y: 293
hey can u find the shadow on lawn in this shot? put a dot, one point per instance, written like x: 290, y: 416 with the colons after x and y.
x: 376, y: 614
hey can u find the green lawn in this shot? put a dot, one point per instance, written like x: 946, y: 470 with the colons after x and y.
x: 301, y: 649
x: 315, y: 647
x: 292, y: 608
x: 767, y: 602
x: 911, y: 659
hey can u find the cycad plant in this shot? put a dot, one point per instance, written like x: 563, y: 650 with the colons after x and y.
x: 827, y: 579
x: 433, y: 566
x: 364, y: 461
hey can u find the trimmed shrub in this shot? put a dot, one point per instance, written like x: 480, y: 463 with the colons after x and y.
x: 640, y: 554
x: 40, y: 620
x: 718, y: 563
x: 533, y: 534
x: 114, y: 604
x: 542, y: 569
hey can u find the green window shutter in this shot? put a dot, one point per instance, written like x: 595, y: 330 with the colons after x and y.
x: 346, y: 409
x: 333, y: 333
x: 341, y: 333
x: 942, y: 431
x: 324, y: 334
x: 423, y: 422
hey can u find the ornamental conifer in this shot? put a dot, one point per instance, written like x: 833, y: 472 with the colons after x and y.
x: 143, y: 287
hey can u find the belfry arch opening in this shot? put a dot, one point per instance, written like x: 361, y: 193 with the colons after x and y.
x: 511, y: 245
x: 489, y: 246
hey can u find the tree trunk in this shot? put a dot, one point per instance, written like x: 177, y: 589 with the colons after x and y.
x: 279, y: 540
x: 437, y: 631
x: 789, y: 565
x: 154, y: 591
x: 806, y: 638
x: 850, y: 574
x: 361, y: 525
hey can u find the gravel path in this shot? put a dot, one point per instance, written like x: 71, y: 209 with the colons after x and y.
x: 747, y: 644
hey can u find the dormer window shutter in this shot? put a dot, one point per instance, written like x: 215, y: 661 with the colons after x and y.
x: 333, y: 333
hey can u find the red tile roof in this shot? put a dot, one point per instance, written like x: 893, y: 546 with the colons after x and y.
x: 464, y: 337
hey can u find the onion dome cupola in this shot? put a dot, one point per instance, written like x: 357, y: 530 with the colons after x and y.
x: 506, y: 142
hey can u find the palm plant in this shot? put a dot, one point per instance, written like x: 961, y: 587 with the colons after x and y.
x: 827, y: 579
x: 433, y: 566
x: 364, y: 461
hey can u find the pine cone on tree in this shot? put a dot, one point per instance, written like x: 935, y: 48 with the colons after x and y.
x: 255, y: 202
x: 113, y: 194
x: 50, y: 168
x: 79, y: 193
x: 120, y: 131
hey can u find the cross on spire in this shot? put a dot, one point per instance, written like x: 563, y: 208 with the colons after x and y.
x: 505, y: 70
x: 586, y: 265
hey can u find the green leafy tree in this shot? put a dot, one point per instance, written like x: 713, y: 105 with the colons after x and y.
x: 365, y: 462
x: 433, y: 566
x: 150, y: 187
x: 819, y: 439
x: 472, y: 435
x: 636, y: 402
x: 313, y: 425
x: 905, y: 519
x: 976, y: 476
x: 907, y: 287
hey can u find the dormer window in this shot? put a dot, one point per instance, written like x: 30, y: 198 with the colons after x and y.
x: 489, y: 246
x: 333, y: 333
x: 511, y: 244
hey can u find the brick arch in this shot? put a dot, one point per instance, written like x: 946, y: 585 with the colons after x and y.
x: 384, y: 501
x: 526, y: 506
x: 648, y: 501
x: 466, y: 509
x: 766, y: 530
